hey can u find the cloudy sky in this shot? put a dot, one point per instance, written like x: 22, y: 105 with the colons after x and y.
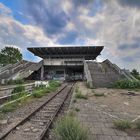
x: 114, y: 24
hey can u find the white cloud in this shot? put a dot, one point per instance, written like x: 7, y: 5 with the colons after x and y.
x: 113, y: 27
x: 15, y: 33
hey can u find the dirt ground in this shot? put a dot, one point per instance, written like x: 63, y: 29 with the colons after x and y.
x: 120, y: 103
x: 98, y: 113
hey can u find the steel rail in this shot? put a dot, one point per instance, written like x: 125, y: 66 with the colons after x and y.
x: 46, y: 129
x: 32, y: 113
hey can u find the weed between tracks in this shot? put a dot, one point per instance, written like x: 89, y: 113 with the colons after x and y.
x: 41, y: 91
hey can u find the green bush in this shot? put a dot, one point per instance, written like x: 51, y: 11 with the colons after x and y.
x: 69, y: 128
x: 126, y: 84
x: 18, y: 89
x: 122, y: 124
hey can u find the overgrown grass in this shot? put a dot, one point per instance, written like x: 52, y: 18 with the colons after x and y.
x: 71, y: 113
x: 122, y: 124
x: 19, y: 95
x: 41, y: 91
x: 69, y: 128
x: 37, y: 93
x: 9, y: 108
x: 18, y: 89
x: 126, y: 84
x: 99, y: 94
x: 79, y: 95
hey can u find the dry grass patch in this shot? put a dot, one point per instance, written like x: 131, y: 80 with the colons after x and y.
x: 123, y: 124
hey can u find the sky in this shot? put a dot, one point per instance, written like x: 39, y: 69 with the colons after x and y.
x: 114, y: 24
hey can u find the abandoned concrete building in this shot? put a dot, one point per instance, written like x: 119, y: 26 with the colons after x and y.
x: 67, y: 63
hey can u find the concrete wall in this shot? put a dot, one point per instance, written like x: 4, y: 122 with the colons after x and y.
x: 62, y: 62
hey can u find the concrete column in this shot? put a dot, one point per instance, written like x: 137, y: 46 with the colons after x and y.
x: 42, y: 73
x: 64, y: 73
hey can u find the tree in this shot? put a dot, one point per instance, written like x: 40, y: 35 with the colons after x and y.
x: 10, y: 55
x: 135, y: 73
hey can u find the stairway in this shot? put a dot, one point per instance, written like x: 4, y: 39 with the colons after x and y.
x: 104, y: 74
x: 18, y: 70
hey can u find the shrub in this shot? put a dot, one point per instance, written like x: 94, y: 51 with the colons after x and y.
x: 70, y: 129
x: 79, y: 95
x: 125, y: 84
x: 122, y: 124
x: 18, y: 89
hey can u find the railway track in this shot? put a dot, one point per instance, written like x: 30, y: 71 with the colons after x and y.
x: 37, y: 124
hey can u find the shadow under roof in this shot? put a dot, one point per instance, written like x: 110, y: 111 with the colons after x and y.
x: 86, y: 52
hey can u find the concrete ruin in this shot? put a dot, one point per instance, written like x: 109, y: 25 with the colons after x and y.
x: 67, y: 63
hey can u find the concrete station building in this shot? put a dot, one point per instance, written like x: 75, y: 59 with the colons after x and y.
x: 66, y: 63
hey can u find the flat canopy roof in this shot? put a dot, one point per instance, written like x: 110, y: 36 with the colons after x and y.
x: 86, y: 52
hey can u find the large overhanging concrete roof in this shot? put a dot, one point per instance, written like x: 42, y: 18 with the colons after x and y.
x: 86, y: 52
